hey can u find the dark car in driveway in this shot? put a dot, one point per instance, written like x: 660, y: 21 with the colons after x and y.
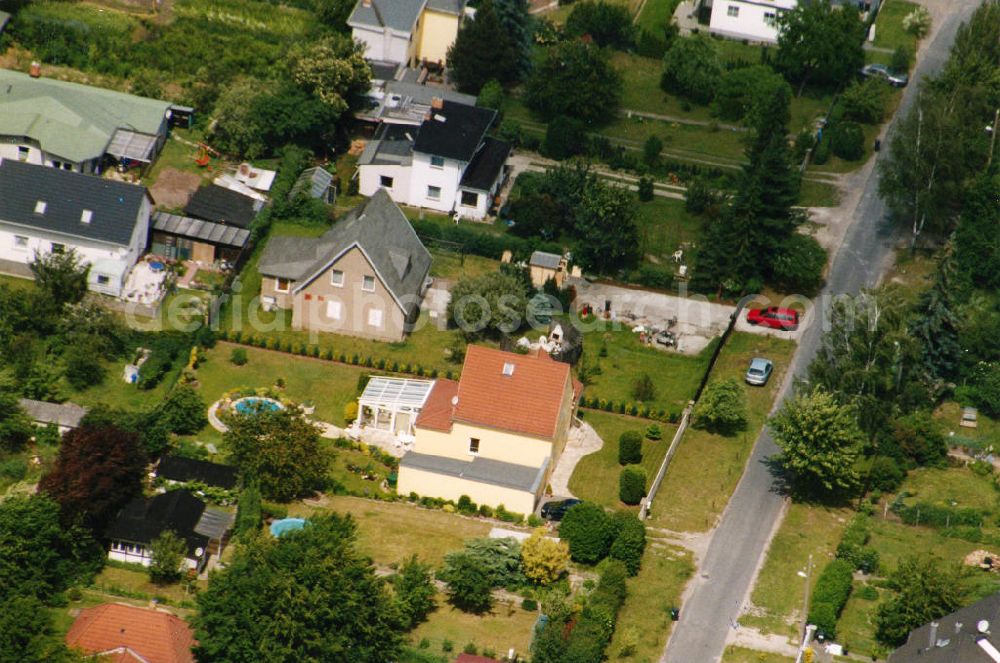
x: 556, y: 509
x: 885, y: 73
x: 774, y: 317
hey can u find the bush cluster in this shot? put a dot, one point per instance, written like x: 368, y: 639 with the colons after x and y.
x: 853, y: 548
x: 832, y: 591
x: 630, y: 448
x: 635, y: 409
x: 933, y: 515
x: 593, y: 534
x: 632, y: 484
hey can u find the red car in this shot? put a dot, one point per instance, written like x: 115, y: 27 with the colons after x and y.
x: 774, y: 317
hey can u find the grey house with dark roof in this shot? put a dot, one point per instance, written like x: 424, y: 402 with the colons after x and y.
x: 46, y: 210
x: 965, y: 636
x: 406, y: 32
x: 364, y: 277
x: 448, y: 163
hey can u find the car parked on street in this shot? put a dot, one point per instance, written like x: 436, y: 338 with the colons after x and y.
x: 883, y: 72
x: 759, y: 371
x: 556, y: 509
x: 774, y: 317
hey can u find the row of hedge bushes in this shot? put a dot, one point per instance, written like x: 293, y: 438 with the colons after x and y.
x: 635, y: 409
x: 933, y: 515
x: 853, y: 545
x: 477, y: 242
x: 329, y: 354
x: 832, y: 591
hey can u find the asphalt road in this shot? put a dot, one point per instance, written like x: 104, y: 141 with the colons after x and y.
x: 743, y: 535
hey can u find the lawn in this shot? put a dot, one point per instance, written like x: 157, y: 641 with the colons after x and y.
x: 453, y: 266
x: 707, y: 467
x: 179, y: 155
x: 675, y: 376
x: 959, y: 487
x: 116, y: 392
x: 641, y: 89
x: 813, y: 193
x: 596, y: 475
x: 646, y: 613
x: 734, y: 654
x: 392, y: 531
x: 113, y: 579
x: 778, y: 595
x: 889, y: 32
x: 506, y: 626
x: 664, y: 225
x: 986, y: 433
x: 327, y: 385
x: 343, y: 459
x: 656, y: 14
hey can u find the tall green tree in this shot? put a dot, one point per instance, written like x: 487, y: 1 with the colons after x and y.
x: 519, y: 28
x: 61, y: 275
x: 28, y: 634
x: 184, y: 411
x: 470, y: 585
x: 925, y: 589
x: 818, y: 44
x: 722, y: 408
x: 607, y: 24
x: 307, y: 596
x: 98, y: 470
x: 574, y: 78
x: 333, y: 69
x: 167, y: 555
x: 281, y: 450
x: 415, y: 591
x: 977, y: 238
x: 607, y: 212
x: 820, y: 443
x: 936, y: 325
x: 16, y: 428
x: 484, y: 50
x: 692, y: 69
x: 489, y: 305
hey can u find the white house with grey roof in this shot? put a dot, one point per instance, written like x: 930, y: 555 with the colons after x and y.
x: 45, y: 210
x: 364, y: 277
x: 74, y: 127
x: 406, y: 32
x: 447, y: 163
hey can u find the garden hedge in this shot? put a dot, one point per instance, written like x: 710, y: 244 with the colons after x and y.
x: 630, y: 448
x: 632, y: 484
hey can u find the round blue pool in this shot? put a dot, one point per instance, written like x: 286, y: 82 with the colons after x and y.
x: 256, y: 405
x: 279, y: 527
x: 157, y: 266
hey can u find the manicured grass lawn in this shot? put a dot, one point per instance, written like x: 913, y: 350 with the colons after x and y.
x: 959, y: 487
x: 664, y: 225
x: 889, y: 32
x: 778, y: 594
x: 818, y: 194
x: 392, y: 531
x: 327, y: 385
x: 454, y: 266
x: 657, y: 588
x: 734, y: 654
x: 504, y: 627
x: 855, y: 629
x: 138, y: 581
x: 656, y: 14
x: 641, y: 89
x: 675, y: 376
x: 695, y: 141
x: 706, y: 468
x: 114, y: 391
x: 353, y: 481
x: 596, y: 475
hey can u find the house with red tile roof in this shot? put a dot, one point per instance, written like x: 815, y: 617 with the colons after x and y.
x: 495, y: 434
x: 127, y: 634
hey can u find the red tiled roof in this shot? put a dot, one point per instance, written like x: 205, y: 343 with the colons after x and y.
x: 436, y: 413
x: 156, y: 637
x: 529, y: 401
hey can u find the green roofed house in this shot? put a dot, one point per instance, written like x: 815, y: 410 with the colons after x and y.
x: 77, y: 127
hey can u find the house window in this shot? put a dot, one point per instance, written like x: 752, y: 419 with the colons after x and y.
x: 434, y: 192
x: 67, y: 166
x: 375, y: 317
x: 437, y: 162
x: 368, y: 283
x: 337, y: 278
x: 385, y: 181
x: 20, y: 242
x: 22, y: 153
x: 474, y: 445
x: 733, y: 11
x: 333, y: 310
x: 770, y: 18
x: 282, y: 285
x: 103, y: 280
x: 86, y: 216
x: 470, y: 199
x: 58, y: 248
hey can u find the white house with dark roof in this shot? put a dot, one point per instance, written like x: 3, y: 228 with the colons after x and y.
x: 74, y: 127
x: 753, y: 20
x: 448, y: 163
x: 45, y: 210
x: 406, y: 32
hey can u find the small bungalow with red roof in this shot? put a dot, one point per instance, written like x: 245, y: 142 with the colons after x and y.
x: 494, y: 435
x: 127, y: 634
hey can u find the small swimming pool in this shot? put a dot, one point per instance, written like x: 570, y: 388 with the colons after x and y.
x: 279, y: 527
x: 157, y: 266
x: 256, y: 405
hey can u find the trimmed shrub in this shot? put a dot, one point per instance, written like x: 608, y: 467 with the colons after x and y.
x: 238, y: 356
x: 653, y: 431
x: 632, y: 484
x: 586, y: 528
x: 847, y: 140
x: 630, y: 542
x: 630, y: 448
x: 832, y: 591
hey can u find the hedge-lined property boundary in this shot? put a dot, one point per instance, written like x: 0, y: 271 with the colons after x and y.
x: 329, y: 354
x: 632, y: 409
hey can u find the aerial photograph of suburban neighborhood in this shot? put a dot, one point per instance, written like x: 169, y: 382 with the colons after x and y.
x: 499, y: 331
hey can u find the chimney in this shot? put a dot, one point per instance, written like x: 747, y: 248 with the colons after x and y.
x: 933, y: 635
x: 437, y: 103
x: 35, y: 71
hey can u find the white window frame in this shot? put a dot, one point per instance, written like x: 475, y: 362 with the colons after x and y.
x: 770, y: 18
x: 437, y: 162
x: 334, y: 281
x: 461, y: 199
x: 334, y: 309
x: 430, y: 195
x: 103, y: 279
x: 21, y: 242
x: 277, y: 284
x: 375, y: 317
x: 382, y: 181
x: 733, y: 11
x: 364, y: 281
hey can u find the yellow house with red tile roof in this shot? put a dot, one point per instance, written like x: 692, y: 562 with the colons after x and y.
x: 494, y: 435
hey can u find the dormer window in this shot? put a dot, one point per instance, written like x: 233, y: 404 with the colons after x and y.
x: 508, y: 369
x: 85, y: 216
x: 40, y: 207
x: 437, y: 162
